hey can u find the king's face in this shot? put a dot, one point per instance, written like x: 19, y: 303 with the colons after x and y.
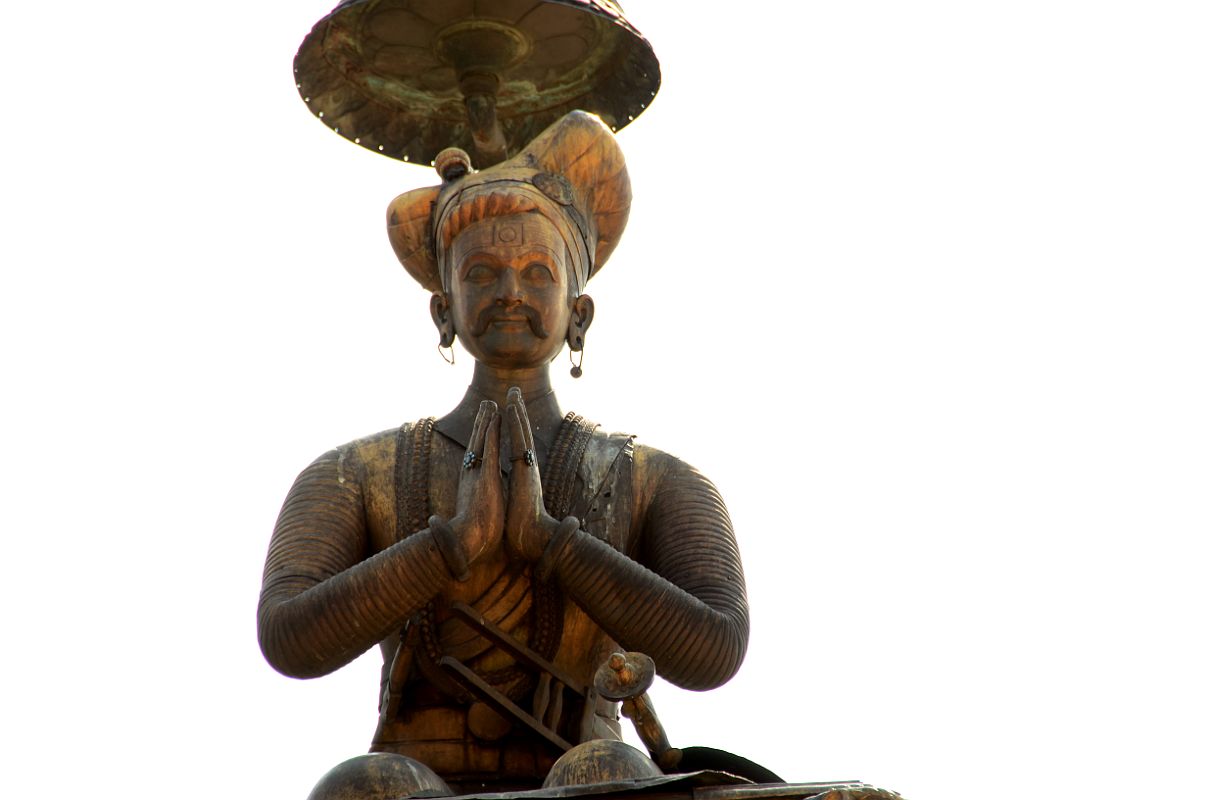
x: 510, y: 294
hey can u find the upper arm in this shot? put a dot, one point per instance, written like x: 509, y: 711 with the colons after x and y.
x: 320, y: 532
x: 687, y: 537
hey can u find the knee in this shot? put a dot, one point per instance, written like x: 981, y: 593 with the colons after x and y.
x: 600, y: 761
x: 379, y: 776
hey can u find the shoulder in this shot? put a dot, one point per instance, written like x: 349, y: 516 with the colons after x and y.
x: 375, y: 447
x: 358, y: 460
x: 663, y: 478
x: 655, y: 464
x: 608, y: 451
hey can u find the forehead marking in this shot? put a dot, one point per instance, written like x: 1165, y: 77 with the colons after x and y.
x: 508, y: 233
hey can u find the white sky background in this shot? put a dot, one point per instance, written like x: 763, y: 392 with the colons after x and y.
x: 921, y: 286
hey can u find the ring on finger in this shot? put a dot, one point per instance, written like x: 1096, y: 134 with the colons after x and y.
x: 528, y: 457
x: 470, y: 461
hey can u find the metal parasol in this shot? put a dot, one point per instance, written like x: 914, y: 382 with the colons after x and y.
x: 408, y: 78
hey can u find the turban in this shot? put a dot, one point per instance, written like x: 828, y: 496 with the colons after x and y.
x: 573, y: 174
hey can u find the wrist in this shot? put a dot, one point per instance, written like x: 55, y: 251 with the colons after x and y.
x: 448, y: 537
x: 541, y: 535
x: 559, y: 541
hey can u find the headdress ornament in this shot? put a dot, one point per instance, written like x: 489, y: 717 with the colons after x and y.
x: 574, y: 174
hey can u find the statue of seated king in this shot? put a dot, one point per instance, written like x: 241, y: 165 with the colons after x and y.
x: 504, y: 553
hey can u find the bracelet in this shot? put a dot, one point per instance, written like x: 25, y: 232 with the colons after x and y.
x: 558, y: 542
x: 449, y: 546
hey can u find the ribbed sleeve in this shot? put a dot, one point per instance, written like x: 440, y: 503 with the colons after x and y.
x: 688, y: 610
x: 322, y: 603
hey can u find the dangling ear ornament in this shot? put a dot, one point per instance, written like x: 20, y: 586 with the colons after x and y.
x: 451, y: 358
x: 576, y: 370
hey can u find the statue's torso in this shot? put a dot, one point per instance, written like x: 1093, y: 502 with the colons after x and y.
x: 655, y: 564
x: 411, y: 473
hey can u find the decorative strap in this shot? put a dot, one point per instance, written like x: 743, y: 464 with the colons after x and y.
x: 412, y: 461
x: 564, y: 459
x: 557, y: 487
x: 412, y: 497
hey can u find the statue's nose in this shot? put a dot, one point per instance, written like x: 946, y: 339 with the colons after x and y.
x: 509, y: 292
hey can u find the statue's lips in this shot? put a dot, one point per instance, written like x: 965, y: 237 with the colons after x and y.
x: 509, y: 324
x: 509, y: 320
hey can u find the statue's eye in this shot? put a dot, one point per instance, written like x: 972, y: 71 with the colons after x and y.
x: 538, y: 275
x: 480, y: 273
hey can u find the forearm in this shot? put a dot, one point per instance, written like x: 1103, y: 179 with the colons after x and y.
x: 696, y: 645
x: 322, y: 603
x: 310, y: 628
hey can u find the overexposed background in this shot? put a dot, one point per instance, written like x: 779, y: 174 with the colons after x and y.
x: 921, y: 286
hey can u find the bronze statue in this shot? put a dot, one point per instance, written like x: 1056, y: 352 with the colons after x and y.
x: 506, y: 555
x: 501, y: 553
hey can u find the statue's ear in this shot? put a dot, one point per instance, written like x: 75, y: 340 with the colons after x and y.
x: 581, y: 314
x: 442, y: 316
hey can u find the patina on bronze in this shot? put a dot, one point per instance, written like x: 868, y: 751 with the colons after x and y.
x: 496, y: 585
x: 408, y: 78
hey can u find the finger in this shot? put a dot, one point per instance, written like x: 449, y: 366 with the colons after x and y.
x: 516, y: 429
x: 490, y: 444
x: 475, y: 436
x: 516, y: 398
x: 486, y: 410
x: 527, y: 424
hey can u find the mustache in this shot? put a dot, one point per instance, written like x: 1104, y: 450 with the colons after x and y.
x: 529, y: 313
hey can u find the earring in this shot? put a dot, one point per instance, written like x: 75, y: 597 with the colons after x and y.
x: 444, y: 326
x: 584, y: 312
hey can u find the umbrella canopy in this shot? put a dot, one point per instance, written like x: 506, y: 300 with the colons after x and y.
x: 408, y: 78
